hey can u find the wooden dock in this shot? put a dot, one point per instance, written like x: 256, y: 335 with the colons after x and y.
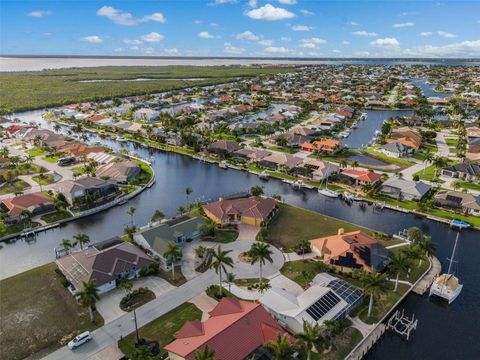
x: 367, y: 343
x: 424, y: 284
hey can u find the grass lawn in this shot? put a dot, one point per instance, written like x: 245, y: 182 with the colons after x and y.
x: 416, y: 271
x: 473, y: 220
x: 27, y: 169
x: 406, y: 204
x: 284, y: 149
x: 428, y: 174
x: 46, y: 179
x: 469, y: 185
x: 16, y: 186
x: 292, y: 224
x: 13, y: 228
x: 451, y: 142
x: 56, y: 216
x: 38, y: 314
x: 36, y: 152
x: 161, y: 329
x: 388, y: 159
x: 342, y: 345
x: 178, y: 280
x: 213, y: 292
x: 302, y: 271
x: 52, y: 159
x: 281, y: 176
x: 146, y: 172
x: 138, y: 299
x: 225, y: 236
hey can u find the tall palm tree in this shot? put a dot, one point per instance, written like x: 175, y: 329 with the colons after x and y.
x: 310, y: 337
x: 439, y: 162
x: 181, y: 210
x: 230, y: 278
x: 304, y: 245
x: 131, y: 211
x: 281, y: 348
x: 82, y: 239
x: 260, y: 252
x: 374, y: 284
x: 220, y: 261
x: 89, y: 296
x: 157, y: 215
x: 428, y: 247
x: 67, y: 245
x: 428, y: 158
x: 173, y: 254
x: 412, y: 252
x: 205, y: 354
x: 397, y: 264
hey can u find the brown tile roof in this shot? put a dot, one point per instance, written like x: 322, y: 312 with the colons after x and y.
x: 20, y: 203
x: 254, y: 207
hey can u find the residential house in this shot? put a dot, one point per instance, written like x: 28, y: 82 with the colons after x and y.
x: 251, y: 154
x: 252, y: 210
x: 234, y: 331
x: 281, y: 161
x: 105, y: 262
x: 155, y: 239
x: 405, y: 189
x: 406, y: 136
x: 35, y: 203
x: 86, y: 189
x: 223, y: 147
x: 456, y: 200
x: 353, y: 250
x: 146, y: 114
x: 328, y: 298
x: 395, y: 149
x: 466, y: 171
x: 121, y: 171
x: 321, y: 170
x: 330, y: 146
x: 361, y: 177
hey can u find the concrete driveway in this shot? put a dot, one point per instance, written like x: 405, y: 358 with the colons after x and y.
x: 204, y: 303
x: 247, y: 232
x: 109, y: 304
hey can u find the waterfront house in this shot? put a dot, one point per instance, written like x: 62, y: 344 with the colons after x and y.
x: 234, y: 331
x: 464, y: 171
x: 406, y: 136
x: 179, y: 230
x: 405, y: 189
x: 224, y: 148
x: 361, y: 177
x: 395, y: 149
x: 252, y: 210
x: 86, y: 189
x: 321, y: 170
x: 146, y: 114
x: 251, y: 154
x: 34, y: 203
x: 331, y: 146
x: 459, y: 201
x: 353, y: 250
x: 106, y: 262
x: 121, y: 171
x: 328, y: 298
x: 281, y: 161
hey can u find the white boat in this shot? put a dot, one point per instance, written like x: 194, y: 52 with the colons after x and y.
x: 223, y: 165
x: 299, y: 184
x: 447, y: 285
x: 328, y: 193
x: 264, y: 175
x: 348, y: 196
x: 363, y: 116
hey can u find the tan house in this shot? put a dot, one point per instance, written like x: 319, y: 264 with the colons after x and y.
x: 253, y: 210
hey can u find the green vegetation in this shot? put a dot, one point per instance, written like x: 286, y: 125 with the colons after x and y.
x: 136, y: 298
x: 44, y: 179
x: 388, y: 159
x: 292, y: 224
x: 342, y: 345
x: 146, y: 173
x: 52, y: 159
x: 405, y: 204
x: 39, y: 314
x: 225, y: 236
x: 56, y: 216
x: 177, y: 280
x: 469, y: 185
x: 161, y: 329
x: 22, y: 91
x: 12, y: 188
x: 429, y: 174
x: 15, y: 227
x: 213, y: 292
x: 303, y: 271
x: 36, y: 152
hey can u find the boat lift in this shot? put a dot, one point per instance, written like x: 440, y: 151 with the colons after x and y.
x: 402, y: 324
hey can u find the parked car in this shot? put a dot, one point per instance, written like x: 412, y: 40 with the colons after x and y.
x: 66, y: 161
x: 80, y: 340
x: 302, y: 250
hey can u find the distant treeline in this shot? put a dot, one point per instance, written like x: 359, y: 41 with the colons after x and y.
x: 22, y: 91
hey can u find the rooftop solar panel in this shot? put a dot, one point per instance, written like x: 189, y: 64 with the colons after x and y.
x: 323, y: 305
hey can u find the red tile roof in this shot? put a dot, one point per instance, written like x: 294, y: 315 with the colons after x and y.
x: 254, y: 207
x: 362, y: 175
x: 235, y: 329
x: 25, y: 202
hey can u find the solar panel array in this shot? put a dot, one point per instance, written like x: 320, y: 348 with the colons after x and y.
x: 323, y: 305
x: 351, y: 294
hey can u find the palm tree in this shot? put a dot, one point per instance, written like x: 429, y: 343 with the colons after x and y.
x: 428, y: 158
x: 82, y: 239
x: 126, y: 286
x: 280, y: 349
x: 310, y: 337
x: 263, y: 286
x: 89, y: 296
x: 355, y: 164
x: 131, y: 211
x: 414, y: 234
x: 205, y: 354
x: 304, y: 245
x: 220, y: 262
x: 343, y: 163
x: 173, y: 254
x: 456, y: 185
x: 397, y: 264
x: 412, y: 252
x: 157, y: 215
x: 374, y: 285
x: 188, y: 191
x: 181, y: 210
x: 427, y: 247
x: 261, y: 253
x: 230, y: 278
x: 67, y: 245
x: 439, y: 162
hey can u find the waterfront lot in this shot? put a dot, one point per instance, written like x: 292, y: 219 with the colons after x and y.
x: 161, y: 329
x: 38, y: 314
x: 292, y: 224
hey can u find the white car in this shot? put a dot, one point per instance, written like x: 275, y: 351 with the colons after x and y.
x: 80, y: 340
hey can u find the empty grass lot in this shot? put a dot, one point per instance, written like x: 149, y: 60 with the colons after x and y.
x: 292, y: 224
x: 37, y: 313
x: 16, y: 186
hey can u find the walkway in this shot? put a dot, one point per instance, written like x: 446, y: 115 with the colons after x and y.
x: 424, y: 284
x: 361, y: 326
x: 247, y: 232
x: 205, y: 303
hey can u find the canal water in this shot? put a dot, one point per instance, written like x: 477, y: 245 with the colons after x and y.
x: 427, y: 89
x: 443, y: 332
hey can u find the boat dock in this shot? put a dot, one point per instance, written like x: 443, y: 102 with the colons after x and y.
x: 367, y: 343
x: 402, y: 324
x: 422, y: 286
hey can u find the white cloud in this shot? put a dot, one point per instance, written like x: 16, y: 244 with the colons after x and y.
x: 446, y: 34
x: 247, y: 35
x: 133, y: 42
x: 345, y: 42
x: 336, y: 51
x: 311, y: 43
x: 147, y: 50
x: 253, y: 3
x: 172, y: 51
x: 206, y: 35
x: 197, y: 22
x: 403, y: 25
x: 277, y: 50
x: 426, y: 33
x: 232, y: 50
x: 362, y: 53
x: 386, y: 42
x: 265, y: 42
x: 301, y: 28
x: 213, y: 24
x: 119, y: 50
x: 152, y: 37
x: 364, y: 33
x: 353, y: 23
x: 286, y: 38
x: 463, y: 48
x: 221, y: 2
x: 307, y: 12
x: 269, y: 13
x: 287, y: 2
x: 120, y: 17
x: 39, y: 13
x: 94, y: 39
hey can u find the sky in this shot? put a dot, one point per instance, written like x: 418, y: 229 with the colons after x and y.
x: 247, y: 28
